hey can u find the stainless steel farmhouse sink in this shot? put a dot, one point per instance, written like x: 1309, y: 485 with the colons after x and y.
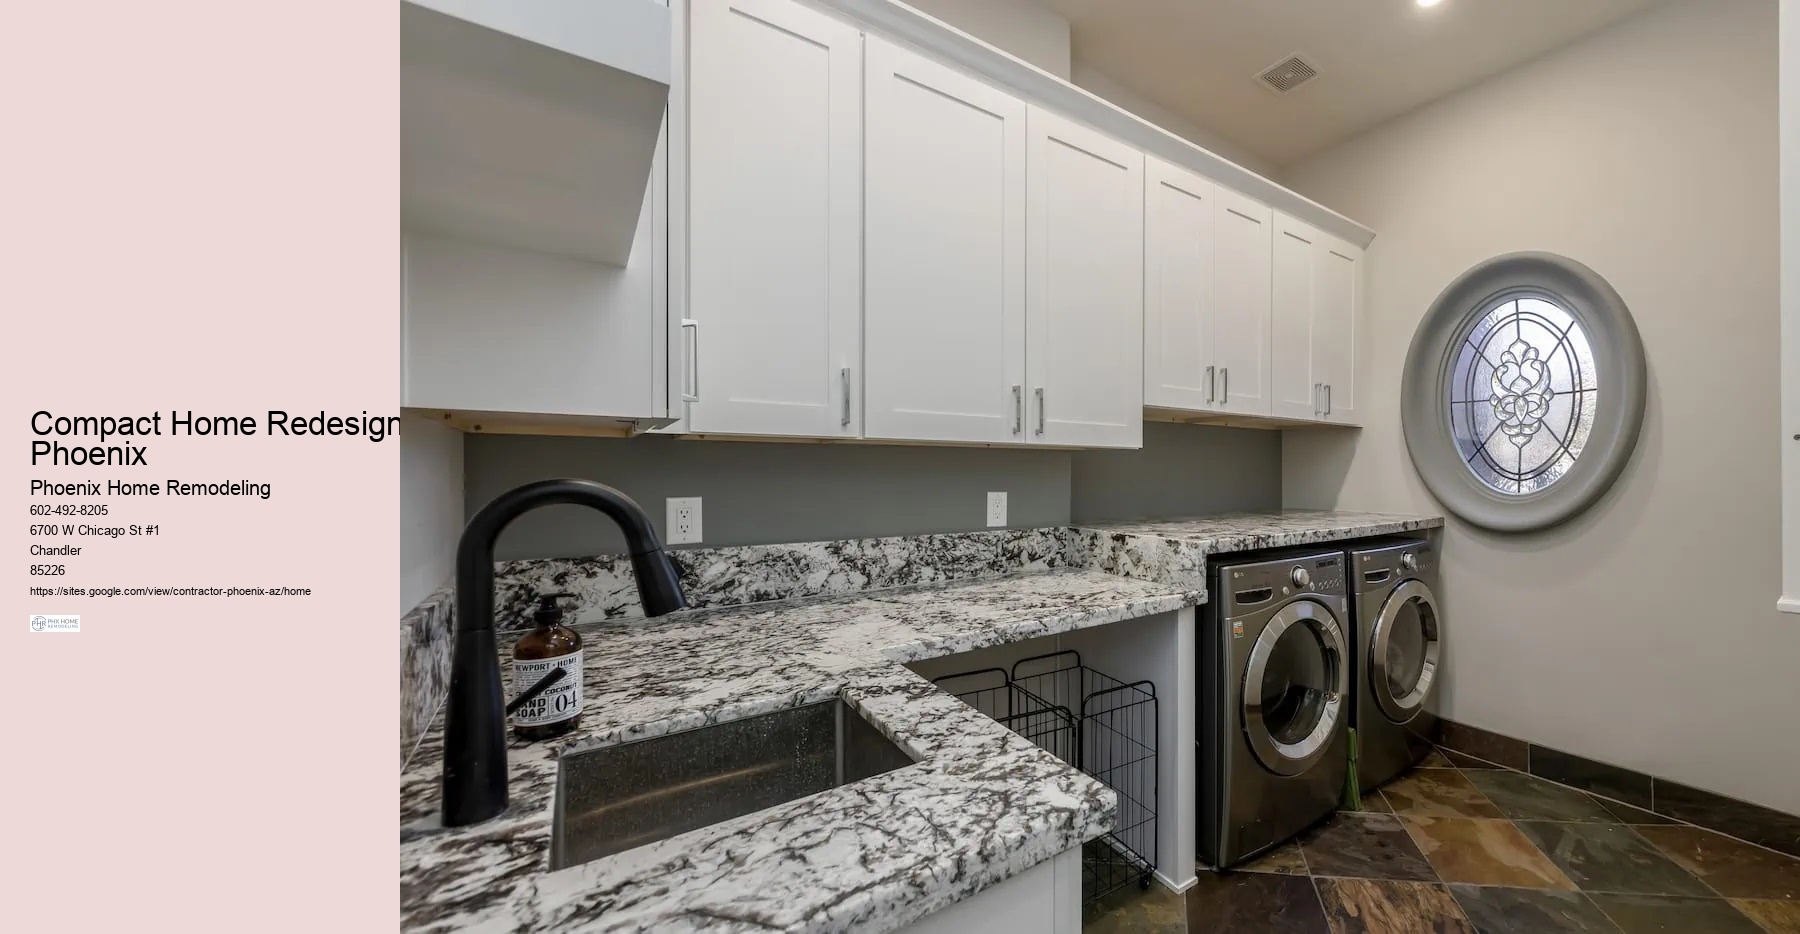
x: 612, y: 799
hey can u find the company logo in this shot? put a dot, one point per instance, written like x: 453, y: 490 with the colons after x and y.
x: 55, y: 623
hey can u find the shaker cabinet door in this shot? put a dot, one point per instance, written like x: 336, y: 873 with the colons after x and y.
x: 944, y: 253
x: 775, y: 220
x: 1179, y: 288
x: 1337, y: 293
x: 1084, y: 297
x: 1241, y: 330
x: 1298, y: 392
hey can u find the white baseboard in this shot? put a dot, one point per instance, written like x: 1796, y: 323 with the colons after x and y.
x: 1175, y: 887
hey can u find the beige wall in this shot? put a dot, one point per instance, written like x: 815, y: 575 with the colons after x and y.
x: 1100, y: 84
x: 1021, y: 27
x: 1039, y: 35
x: 1643, y: 633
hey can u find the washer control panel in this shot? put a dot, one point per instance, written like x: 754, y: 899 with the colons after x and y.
x: 1325, y: 576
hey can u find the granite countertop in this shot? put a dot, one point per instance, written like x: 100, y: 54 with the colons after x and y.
x: 980, y: 806
x: 1250, y: 531
x: 1176, y: 550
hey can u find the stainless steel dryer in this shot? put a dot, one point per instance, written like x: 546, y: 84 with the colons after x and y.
x: 1273, y: 682
x: 1398, y: 649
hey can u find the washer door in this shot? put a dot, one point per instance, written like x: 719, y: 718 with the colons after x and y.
x: 1293, y: 690
x: 1403, y: 651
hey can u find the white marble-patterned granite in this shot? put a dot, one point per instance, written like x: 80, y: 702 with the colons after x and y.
x: 982, y: 804
x: 603, y: 589
x: 603, y: 586
x: 1174, y: 551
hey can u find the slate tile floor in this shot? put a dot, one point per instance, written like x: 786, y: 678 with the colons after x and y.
x: 1464, y: 845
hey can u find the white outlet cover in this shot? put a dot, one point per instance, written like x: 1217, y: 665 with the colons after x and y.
x: 996, y: 510
x: 683, y: 522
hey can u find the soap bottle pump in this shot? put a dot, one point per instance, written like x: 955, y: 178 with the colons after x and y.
x: 550, y: 645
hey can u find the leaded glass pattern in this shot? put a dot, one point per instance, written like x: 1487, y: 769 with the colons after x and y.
x: 1521, y: 395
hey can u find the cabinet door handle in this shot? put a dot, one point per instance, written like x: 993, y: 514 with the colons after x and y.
x: 1018, y: 409
x: 1318, y: 399
x: 844, y: 380
x: 1327, y: 398
x: 1212, y: 384
x: 1040, y: 403
x: 1224, y: 384
x: 690, y: 385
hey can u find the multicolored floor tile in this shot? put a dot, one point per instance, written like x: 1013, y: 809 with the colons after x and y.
x: 1364, y: 846
x: 1470, y: 846
x: 1438, y: 793
x: 1499, y: 910
x: 1611, y: 858
x: 1248, y: 901
x: 1353, y: 906
x: 1484, y: 852
x: 1775, y: 916
x: 1284, y: 859
x: 1730, y: 867
x: 1643, y: 914
x: 1523, y: 797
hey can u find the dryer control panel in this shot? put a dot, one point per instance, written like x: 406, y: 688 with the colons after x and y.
x: 1251, y: 585
x: 1392, y: 562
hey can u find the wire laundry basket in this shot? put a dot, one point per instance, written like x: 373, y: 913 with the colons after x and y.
x: 1097, y: 723
x: 992, y: 691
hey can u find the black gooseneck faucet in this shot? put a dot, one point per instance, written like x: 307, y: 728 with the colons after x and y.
x: 474, y: 785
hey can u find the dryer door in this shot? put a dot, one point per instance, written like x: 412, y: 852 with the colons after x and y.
x: 1403, y: 651
x: 1293, y: 690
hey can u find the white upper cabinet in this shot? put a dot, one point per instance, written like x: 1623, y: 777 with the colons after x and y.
x: 944, y: 253
x: 1242, y: 241
x: 1206, y: 295
x: 1297, y: 392
x: 1179, y: 274
x: 496, y: 329
x: 1317, y: 305
x: 775, y: 220
x: 1084, y: 298
x: 533, y: 125
x: 1337, y: 326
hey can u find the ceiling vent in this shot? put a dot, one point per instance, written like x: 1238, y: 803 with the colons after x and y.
x: 1287, y: 74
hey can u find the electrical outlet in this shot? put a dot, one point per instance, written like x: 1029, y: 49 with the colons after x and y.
x: 684, y: 520
x: 996, y: 514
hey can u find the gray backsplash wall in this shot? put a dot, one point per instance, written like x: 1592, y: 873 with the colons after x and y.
x: 761, y: 493
x: 757, y: 493
x: 1182, y: 470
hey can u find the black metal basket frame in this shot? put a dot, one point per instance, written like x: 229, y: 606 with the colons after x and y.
x: 1048, y: 726
x: 1097, y: 723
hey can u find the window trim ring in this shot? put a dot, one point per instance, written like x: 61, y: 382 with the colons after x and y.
x: 1618, y: 411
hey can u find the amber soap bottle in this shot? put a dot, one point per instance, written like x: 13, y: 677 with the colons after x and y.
x: 548, y: 646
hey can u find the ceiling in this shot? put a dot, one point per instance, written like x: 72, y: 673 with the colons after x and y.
x: 1376, y: 58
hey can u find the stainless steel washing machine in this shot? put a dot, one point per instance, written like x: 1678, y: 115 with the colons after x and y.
x: 1398, y: 650
x: 1274, y: 707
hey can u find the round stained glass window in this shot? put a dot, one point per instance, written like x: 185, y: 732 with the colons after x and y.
x: 1522, y: 394
x: 1523, y: 391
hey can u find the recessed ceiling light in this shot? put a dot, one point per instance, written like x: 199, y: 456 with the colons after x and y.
x: 1429, y: 3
